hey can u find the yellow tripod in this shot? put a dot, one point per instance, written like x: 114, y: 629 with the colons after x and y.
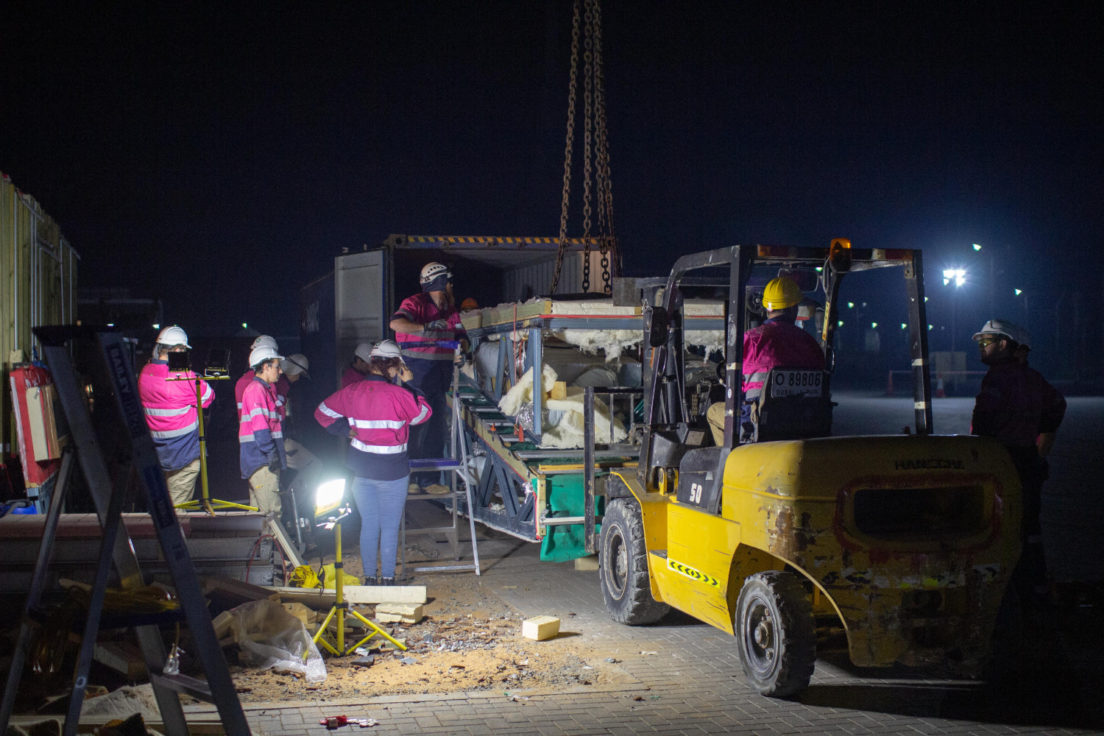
x: 205, y: 501
x: 340, y: 609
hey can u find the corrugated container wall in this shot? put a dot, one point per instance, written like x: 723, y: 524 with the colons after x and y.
x: 38, y: 286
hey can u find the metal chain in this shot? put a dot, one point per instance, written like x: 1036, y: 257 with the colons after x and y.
x: 588, y: 132
x: 568, y: 145
x: 604, y: 180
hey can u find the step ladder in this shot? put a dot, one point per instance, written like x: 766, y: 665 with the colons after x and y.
x: 120, y: 433
x: 457, y: 467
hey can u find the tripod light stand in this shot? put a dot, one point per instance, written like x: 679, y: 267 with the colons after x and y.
x: 331, y: 505
x: 205, y: 501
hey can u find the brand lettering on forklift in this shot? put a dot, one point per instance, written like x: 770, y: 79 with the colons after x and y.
x: 691, y: 573
x: 931, y: 463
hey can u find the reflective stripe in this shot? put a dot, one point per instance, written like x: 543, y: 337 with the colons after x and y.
x: 759, y: 376
x: 170, y: 433
x: 378, y: 449
x: 421, y: 416
x: 427, y: 356
x: 378, y: 423
x: 753, y: 393
x: 260, y: 411
x: 328, y: 411
x: 167, y: 412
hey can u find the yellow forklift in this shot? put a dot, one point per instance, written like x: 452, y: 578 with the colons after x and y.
x: 774, y: 530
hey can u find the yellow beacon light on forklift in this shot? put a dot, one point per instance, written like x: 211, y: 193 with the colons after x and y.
x: 839, y: 255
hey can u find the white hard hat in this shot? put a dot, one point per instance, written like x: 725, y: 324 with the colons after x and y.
x: 264, y: 341
x: 262, y: 354
x: 431, y: 271
x: 295, y: 364
x: 387, y: 349
x: 173, y: 335
x: 363, y: 351
x: 1002, y: 328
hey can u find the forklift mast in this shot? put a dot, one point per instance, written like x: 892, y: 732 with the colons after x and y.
x: 670, y: 432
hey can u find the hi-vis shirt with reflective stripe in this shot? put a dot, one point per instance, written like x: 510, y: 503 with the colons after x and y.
x: 170, y: 409
x: 421, y: 309
x: 379, y: 413
x: 776, y: 343
x: 260, y: 434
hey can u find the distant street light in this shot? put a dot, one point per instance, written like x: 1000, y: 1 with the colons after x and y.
x: 956, y: 276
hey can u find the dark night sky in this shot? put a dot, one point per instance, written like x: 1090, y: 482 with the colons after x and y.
x: 221, y: 154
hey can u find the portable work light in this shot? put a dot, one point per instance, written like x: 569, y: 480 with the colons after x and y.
x: 330, y: 504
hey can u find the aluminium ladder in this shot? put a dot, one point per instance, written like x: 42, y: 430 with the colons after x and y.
x: 460, y: 472
x: 121, y: 434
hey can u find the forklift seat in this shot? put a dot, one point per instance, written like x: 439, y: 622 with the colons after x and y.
x: 794, y: 403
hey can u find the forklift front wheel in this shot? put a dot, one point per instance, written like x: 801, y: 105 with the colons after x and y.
x: 775, y: 633
x: 626, y: 586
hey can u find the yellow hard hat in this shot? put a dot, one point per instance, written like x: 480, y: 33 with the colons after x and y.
x: 781, y: 293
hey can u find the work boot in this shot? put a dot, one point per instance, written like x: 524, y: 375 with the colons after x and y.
x: 385, y: 581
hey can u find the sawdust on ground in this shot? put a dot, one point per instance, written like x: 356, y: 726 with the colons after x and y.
x: 468, y: 640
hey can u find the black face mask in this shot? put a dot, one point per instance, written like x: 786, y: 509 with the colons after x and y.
x: 438, y: 284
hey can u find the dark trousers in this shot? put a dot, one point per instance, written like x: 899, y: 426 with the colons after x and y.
x: 431, y: 438
x: 1031, y: 572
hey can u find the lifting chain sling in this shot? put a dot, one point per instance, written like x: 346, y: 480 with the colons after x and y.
x: 595, y: 148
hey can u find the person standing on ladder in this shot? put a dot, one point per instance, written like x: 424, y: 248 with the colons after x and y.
x: 421, y: 323
x: 170, y: 408
x: 260, y: 433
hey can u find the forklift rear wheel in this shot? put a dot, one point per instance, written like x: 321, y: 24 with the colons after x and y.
x: 774, y: 629
x: 626, y: 586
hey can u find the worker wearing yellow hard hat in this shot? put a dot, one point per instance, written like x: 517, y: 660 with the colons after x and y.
x: 778, y: 341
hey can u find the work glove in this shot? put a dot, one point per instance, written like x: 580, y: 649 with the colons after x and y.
x: 438, y: 324
x: 274, y: 464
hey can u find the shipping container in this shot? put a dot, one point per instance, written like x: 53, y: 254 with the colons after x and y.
x: 354, y: 302
x: 38, y: 286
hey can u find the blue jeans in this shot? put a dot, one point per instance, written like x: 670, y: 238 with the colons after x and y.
x: 380, y: 505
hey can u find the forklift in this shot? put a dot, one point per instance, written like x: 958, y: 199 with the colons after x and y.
x: 782, y: 534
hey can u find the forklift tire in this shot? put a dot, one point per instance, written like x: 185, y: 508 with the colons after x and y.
x: 623, y: 567
x: 775, y: 633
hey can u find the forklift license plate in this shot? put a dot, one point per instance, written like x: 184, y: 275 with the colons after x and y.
x: 797, y: 383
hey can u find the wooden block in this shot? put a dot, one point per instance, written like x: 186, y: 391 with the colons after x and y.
x: 590, y: 562
x: 407, y: 613
x: 317, y: 598
x: 540, y: 627
x: 411, y: 610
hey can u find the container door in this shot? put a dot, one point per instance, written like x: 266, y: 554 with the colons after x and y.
x: 360, y: 298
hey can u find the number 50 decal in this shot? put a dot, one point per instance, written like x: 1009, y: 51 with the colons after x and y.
x: 695, y: 492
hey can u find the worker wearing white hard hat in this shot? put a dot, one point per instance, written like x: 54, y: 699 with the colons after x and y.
x: 171, y: 414
x: 358, y: 366
x: 260, y: 433
x: 426, y: 327
x: 376, y: 415
x: 1020, y: 409
x: 246, y: 378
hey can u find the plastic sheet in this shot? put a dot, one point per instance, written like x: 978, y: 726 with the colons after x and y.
x: 271, y: 638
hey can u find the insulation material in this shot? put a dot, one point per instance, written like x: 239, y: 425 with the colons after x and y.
x: 563, y: 421
x: 522, y: 392
x: 567, y: 432
x: 609, y: 343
